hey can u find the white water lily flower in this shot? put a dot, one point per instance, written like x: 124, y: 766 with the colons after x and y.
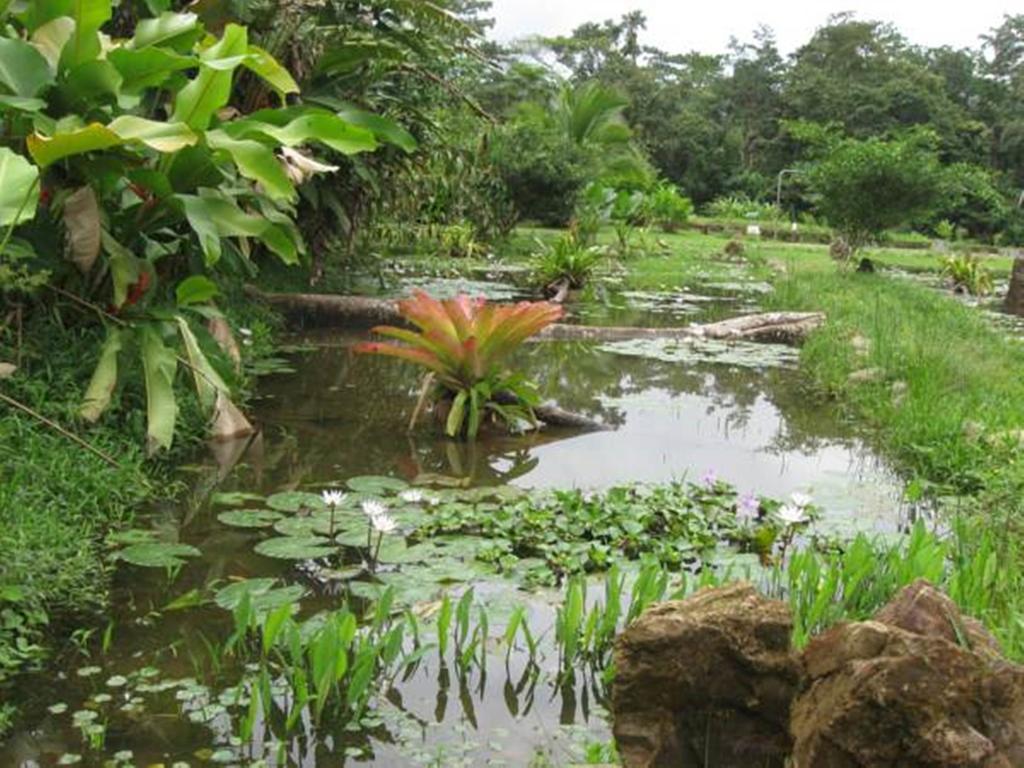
x: 333, y: 498
x: 801, y: 500
x: 412, y: 496
x: 374, y: 509
x: 301, y: 168
x: 384, y: 523
x: 792, y: 515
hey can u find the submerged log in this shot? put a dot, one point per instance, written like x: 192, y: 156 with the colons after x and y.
x: 327, y: 310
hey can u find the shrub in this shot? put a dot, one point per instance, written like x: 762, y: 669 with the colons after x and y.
x: 668, y: 208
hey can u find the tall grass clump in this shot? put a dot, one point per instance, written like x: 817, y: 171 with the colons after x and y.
x: 939, y: 381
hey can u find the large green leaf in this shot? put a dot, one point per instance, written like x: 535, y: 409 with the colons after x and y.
x: 212, y: 218
x: 196, y: 289
x: 19, y: 194
x: 198, y: 102
x: 104, y: 379
x: 159, y: 365
x: 208, y: 381
x: 255, y: 161
x: 249, y: 518
x: 127, y: 129
x: 51, y: 37
x: 147, y: 67
x: 306, y: 125
x: 268, y: 68
x: 383, y: 127
x: 84, y: 45
x: 23, y: 70
x: 125, y: 267
x: 168, y: 29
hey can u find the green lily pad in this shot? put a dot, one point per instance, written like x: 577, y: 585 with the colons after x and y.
x: 376, y: 484
x: 249, y: 518
x: 354, y: 537
x: 293, y: 501
x: 132, y: 536
x: 157, y: 554
x: 320, y: 523
x: 295, y: 548
x: 264, y: 594
x: 235, y: 499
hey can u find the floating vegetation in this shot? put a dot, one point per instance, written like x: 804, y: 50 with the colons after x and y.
x: 738, y: 354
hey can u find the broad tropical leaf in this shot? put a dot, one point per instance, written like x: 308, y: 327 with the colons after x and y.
x: 304, y: 126
x: 172, y: 30
x: 104, y: 379
x: 162, y: 137
x: 24, y: 71
x: 268, y: 68
x: 159, y: 366
x: 255, y: 161
x: 208, y: 381
x: 198, y: 102
x: 19, y: 193
x: 212, y: 218
x: 51, y: 37
x: 147, y: 67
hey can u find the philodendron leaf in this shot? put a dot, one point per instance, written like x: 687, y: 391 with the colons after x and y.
x: 168, y: 30
x: 294, y: 548
x: 19, y: 194
x: 82, y: 222
x: 147, y: 67
x: 268, y: 68
x: 51, y: 37
x: 198, y: 102
x: 208, y: 381
x: 127, y: 129
x: 84, y: 45
x: 302, y: 125
x: 255, y: 161
x: 24, y: 71
x: 157, y: 554
x: 104, y: 379
x: 197, y: 289
x: 212, y: 218
x: 159, y: 366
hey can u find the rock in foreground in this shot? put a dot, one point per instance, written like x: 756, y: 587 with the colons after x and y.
x: 706, y: 681
x: 920, y: 685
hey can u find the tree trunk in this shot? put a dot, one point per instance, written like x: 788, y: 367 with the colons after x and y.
x: 1015, y: 296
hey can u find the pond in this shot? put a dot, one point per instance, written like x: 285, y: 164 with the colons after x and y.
x: 159, y: 694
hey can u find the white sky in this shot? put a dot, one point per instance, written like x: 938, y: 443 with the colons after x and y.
x: 678, y: 26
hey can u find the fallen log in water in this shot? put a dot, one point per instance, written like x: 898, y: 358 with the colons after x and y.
x: 328, y: 309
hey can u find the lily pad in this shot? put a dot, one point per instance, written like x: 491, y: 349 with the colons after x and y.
x: 157, y: 554
x: 293, y: 501
x: 235, y: 499
x: 264, y: 594
x: 320, y: 523
x: 295, y: 548
x: 249, y: 518
x: 376, y: 484
x: 739, y: 354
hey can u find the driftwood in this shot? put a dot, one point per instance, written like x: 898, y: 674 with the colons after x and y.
x: 327, y: 310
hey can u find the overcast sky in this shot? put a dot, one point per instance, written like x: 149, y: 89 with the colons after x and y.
x: 706, y: 25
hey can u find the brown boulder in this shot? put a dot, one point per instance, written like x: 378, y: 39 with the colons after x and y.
x: 918, y: 686
x: 706, y: 681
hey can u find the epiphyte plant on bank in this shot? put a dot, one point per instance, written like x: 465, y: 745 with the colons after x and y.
x: 465, y: 344
x: 126, y: 170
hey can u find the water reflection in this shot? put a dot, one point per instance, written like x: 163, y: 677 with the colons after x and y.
x: 343, y: 414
